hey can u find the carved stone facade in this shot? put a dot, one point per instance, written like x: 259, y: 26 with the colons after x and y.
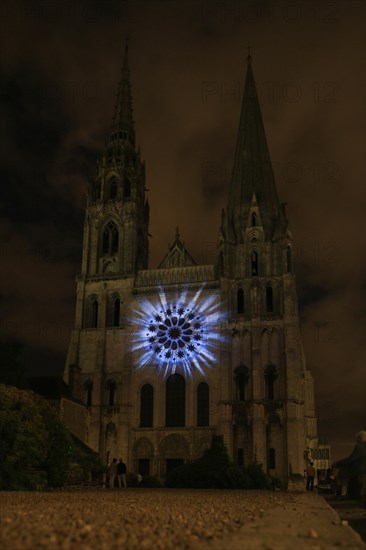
x: 256, y: 390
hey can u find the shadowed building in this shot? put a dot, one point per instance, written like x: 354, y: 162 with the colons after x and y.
x: 166, y: 358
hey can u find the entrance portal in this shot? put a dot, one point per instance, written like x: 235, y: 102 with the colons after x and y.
x: 172, y: 463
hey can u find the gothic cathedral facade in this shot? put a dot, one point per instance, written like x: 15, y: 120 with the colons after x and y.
x: 166, y: 358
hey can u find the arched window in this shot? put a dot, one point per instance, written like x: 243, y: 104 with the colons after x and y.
x: 114, y: 241
x: 221, y: 263
x: 240, y: 300
x: 88, y: 390
x: 240, y: 455
x: 111, y: 428
x: 289, y: 259
x: 241, y: 382
x: 146, y: 406
x: 116, y: 312
x: 96, y: 190
x: 270, y: 377
x: 269, y: 299
x: 94, y: 314
x: 111, y: 438
x: 91, y: 312
x: 127, y: 188
x: 111, y: 389
x: 254, y: 219
x: 272, y: 458
x: 105, y: 245
x: 203, y: 404
x: 175, y: 401
x: 112, y: 188
x: 110, y: 239
x: 254, y: 261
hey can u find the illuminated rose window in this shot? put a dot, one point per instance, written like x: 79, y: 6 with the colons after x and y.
x: 181, y: 333
x: 175, y: 333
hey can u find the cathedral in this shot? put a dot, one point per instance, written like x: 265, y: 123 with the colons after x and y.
x: 164, y: 359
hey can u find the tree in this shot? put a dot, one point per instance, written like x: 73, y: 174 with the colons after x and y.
x: 23, y: 437
x: 60, y: 450
x: 35, y: 447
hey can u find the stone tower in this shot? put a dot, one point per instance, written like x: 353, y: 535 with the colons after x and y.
x: 274, y: 413
x: 116, y: 224
x: 166, y: 358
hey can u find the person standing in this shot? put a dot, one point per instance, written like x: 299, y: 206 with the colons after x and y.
x: 121, y: 474
x: 310, y: 475
x: 112, y: 473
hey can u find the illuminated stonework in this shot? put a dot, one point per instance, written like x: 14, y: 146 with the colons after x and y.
x: 177, y: 332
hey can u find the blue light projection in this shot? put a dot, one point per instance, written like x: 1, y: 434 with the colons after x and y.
x: 177, y: 332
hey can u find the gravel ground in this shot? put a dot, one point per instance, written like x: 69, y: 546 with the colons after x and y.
x: 132, y: 519
x: 353, y: 511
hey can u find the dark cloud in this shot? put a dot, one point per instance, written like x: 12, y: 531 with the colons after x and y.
x: 33, y: 132
x: 33, y: 125
x: 310, y: 294
x: 39, y: 360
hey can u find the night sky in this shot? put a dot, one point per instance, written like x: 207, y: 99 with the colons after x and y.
x: 60, y: 68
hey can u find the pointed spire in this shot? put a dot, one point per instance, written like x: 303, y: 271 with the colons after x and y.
x: 252, y: 170
x: 123, y: 127
x: 177, y: 236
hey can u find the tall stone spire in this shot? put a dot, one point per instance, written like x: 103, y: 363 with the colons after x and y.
x: 123, y: 126
x: 116, y: 200
x: 252, y: 170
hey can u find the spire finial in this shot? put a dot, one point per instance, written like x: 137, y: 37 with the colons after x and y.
x: 125, y: 57
x: 177, y: 236
x: 249, y: 57
x: 123, y: 119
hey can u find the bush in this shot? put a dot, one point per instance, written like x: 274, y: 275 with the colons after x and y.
x: 60, y: 450
x: 23, y: 438
x: 89, y: 464
x: 74, y: 473
x: 145, y: 481
x: 37, y: 480
x: 237, y: 478
x: 131, y: 479
x: 215, y: 470
x: 257, y: 478
x: 150, y: 481
x: 36, y: 450
x: 277, y: 484
x: 186, y: 475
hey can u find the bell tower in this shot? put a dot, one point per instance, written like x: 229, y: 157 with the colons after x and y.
x: 271, y: 383
x: 115, y: 249
x: 117, y: 214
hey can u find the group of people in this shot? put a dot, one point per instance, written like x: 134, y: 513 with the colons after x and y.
x: 119, y: 470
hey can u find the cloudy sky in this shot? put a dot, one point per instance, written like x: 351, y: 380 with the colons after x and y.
x: 60, y: 68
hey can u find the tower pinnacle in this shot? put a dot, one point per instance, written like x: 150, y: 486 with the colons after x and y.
x: 252, y: 171
x: 123, y: 126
